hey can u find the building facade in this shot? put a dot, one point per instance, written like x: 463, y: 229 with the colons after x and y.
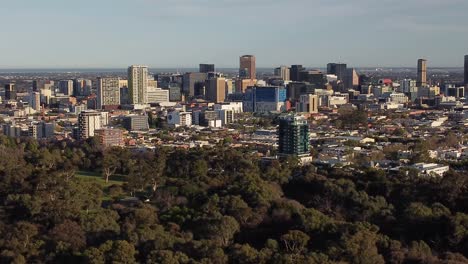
x: 136, y: 122
x: 215, y: 90
x: 66, y: 87
x: 157, y: 95
x: 308, y: 103
x: 338, y: 69
x: 192, y: 82
x: 422, y: 73
x: 247, y: 67
x: 293, y: 136
x: 206, y: 68
x: 138, y: 84
x: 88, y: 122
x: 110, y: 137
x: 108, y: 92
x: 283, y: 72
x: 10, y: 91
x: 264, y: 99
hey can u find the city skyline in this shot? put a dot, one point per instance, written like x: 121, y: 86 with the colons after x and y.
x: 166, y: 34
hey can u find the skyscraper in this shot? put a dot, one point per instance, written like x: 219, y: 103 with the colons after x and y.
x: 338, y: 69
x: 466, y: 69
x: 247, y: 68
x: 283, y: 72
x: 206, y: 68
x: 293, y: 136
x: 35, y: 100
x: 108, y: 92
x: 295, y: 72
x: 191, y: 81
x: 351, y: 79
x: 422, y: 73
x: 10, y: 91
x: 66, y: 87
x: 138, y: 84
x: 216, y: 90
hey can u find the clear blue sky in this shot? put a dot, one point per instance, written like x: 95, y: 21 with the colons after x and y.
x: 183, y: 33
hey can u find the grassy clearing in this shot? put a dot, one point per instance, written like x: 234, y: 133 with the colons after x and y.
x: 97, y: 177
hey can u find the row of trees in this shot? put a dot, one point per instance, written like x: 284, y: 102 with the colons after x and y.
x: 219, y: 205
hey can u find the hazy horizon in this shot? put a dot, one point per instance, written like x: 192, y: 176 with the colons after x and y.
x: 184, y: 33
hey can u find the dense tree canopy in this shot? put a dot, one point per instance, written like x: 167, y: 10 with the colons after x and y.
x: 77, y: 203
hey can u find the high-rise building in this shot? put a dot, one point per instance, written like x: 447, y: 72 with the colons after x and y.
x: 308, y: 103
x: 264, y: 99
x: 283, y: 72
x: 314, y: 77
x: 192, y: 81
x: 466, y: 70
x: 108, y: 92
x: 338, y: 69
x: 408, y: 86
x: 216, y: 90
x: 66, y: 87
x: 10, y: 91
x: 422, y: 73
x: 351, y: 79
x: 82, y: 87
x: 295, y: 71
x: 293, y: 136
x: 206, y: 68
x: 88, y: 122
x: 247, y: 68
x: 138, y: 84
x: 35, y: 100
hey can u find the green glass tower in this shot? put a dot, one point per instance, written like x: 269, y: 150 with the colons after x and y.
x: 293, y: 135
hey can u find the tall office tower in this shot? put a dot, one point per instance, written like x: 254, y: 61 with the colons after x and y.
x: 314, y: 77
x: 422, y: 73
x: 466, y: 69
x: 192, y: 80
x: 108, y: 92
x: 216, y: 90
x: 308, y: 103
x: 206, y: 68
x: 283, y: 72
x: 66, y: 87
x: 10, y: 91
x: 295, y: 72
x: 35, y: 100
x: 82, y: 87
x: 338, y: 69
x: 293, y: 136
x: 408, y: 86
x: 351, y: 79
x: 138, y: 84
x: 88, y: 122
x: 247, y: 68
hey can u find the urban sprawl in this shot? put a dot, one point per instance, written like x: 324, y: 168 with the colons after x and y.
x: 331, y: 117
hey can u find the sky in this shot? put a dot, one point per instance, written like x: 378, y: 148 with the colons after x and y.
x: 184, y: 33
